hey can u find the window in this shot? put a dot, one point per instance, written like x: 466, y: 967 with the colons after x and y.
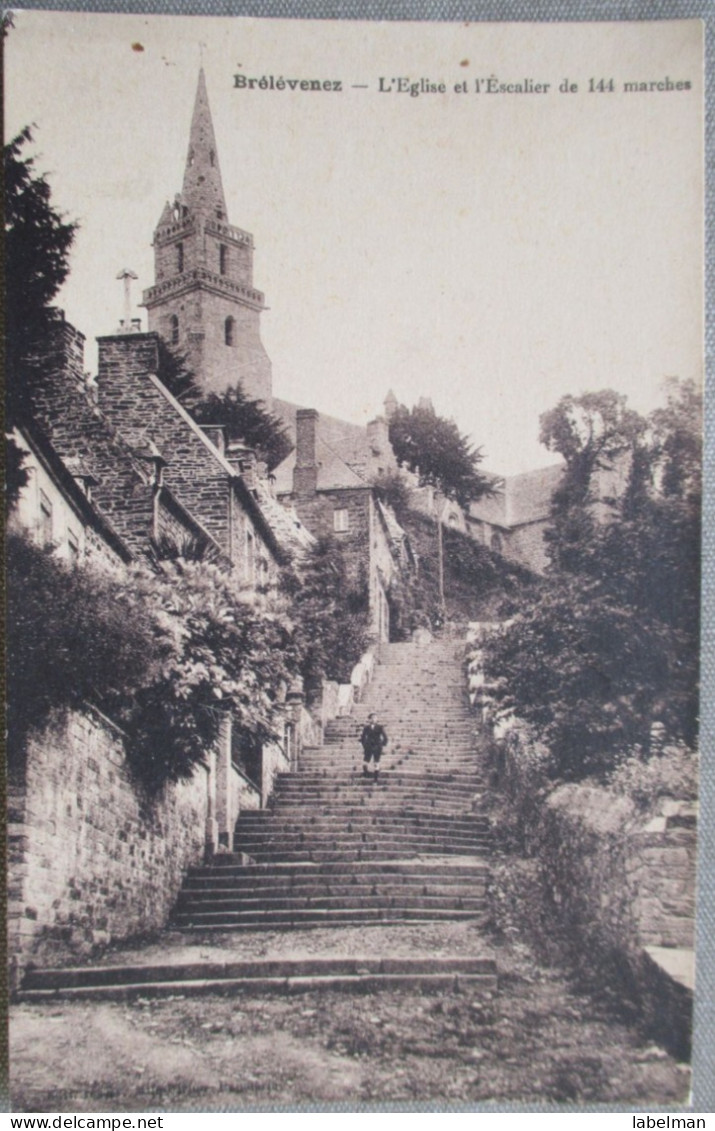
x: 73, y: 545
x: 496, y: 543
x: 179, y: 257
x: 223, y: 259
x: 174, y: 330
x: 45, y: 524
x: 229, y: 328
x: 340, y: 521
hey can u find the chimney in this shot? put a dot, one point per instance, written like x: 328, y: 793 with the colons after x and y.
x: 124, y: 362
x: 305, y: 475
x: 243, y: 462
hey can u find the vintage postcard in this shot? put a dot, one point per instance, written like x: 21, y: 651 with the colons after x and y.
x: 354, y: 401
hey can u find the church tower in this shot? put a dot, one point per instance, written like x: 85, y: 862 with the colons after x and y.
x: 203, y: 301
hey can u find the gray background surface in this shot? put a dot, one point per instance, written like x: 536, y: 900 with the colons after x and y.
x: 703, y: 1096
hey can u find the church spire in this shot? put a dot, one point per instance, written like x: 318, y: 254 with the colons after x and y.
x: 202, y: 191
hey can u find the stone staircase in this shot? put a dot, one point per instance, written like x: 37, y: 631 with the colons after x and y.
x: 338, y: 848
x: 406, y: 856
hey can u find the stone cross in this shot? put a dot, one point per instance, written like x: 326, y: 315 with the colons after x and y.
x: 127, y: 276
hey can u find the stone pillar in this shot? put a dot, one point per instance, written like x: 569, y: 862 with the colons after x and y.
x: 211, y: 822
x: 224, y: 818
x: 295, y: 697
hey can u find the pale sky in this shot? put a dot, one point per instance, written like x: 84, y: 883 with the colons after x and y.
x: 493, y: 251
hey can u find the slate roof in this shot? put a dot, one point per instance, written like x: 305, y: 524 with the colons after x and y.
x: 523, y: 498
x: 284, y: 521
x: 341, y: 449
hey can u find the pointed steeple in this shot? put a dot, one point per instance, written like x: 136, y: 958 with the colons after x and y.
x: 202, y: 192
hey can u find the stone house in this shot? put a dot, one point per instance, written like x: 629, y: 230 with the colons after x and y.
x: 332, y: 497
x: 513, y: 521
x: 111, y: 469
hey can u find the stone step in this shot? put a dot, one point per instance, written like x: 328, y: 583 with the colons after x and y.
x: 191, y: 906
x: 264, y: 819
x: 228, y: 864
x: 219, y: 889
x: 364, y: 852
x: 345, y: 838
x: 233, y: 920
x: 266, y: 975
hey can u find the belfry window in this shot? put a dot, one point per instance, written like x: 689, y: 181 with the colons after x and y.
x: 222, y: 259
x: 174, y: 330
x: 179, y: 257
x: 229, y: 331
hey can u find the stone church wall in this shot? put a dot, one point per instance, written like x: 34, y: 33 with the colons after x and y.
x: 90, y: 860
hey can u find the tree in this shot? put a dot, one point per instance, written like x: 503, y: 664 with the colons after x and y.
x: 591, y: 432
x: 330, y: 613
x: 37, y: 245
x: 609, y: 644
x: 435, y: 449
x: 246, y: 420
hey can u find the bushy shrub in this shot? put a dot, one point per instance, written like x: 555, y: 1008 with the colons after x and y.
x: 330, y: 612
x: 72, y: 634
x: 672, y: 773
x: 167, y: 654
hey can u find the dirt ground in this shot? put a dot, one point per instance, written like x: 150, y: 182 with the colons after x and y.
x: 537, y: 1042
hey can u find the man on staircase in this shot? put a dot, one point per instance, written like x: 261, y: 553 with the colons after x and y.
x: 373, y: 740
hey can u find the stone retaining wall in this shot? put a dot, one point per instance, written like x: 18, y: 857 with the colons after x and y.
x: 621, y: 883
x: 90, y: 859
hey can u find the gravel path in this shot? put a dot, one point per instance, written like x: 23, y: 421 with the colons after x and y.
x: 537, y: 1042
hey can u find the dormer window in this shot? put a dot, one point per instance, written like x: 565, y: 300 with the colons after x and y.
x: 222, y: 259
x: 174, y: 330
x: 229, y: 331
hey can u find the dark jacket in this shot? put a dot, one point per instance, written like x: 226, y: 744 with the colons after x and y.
x: 372, y: 739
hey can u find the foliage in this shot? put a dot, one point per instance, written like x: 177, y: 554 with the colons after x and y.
x: 174, y: 371
x: 37, y: 245
x: 672, y: 773
x: 165, y: 653
x: 475, y: 579
x: 248, y: 421
x: 584, y: 671
x: 226, y: 657
x: 435, y: 449
x: 330, y: 611
x: 392, y: 490
x: 189, y: 548
x: 608, y: 645
x: 245, y: 420
x: 591, y: 432
x: 72, y: 635
x: 16, y: 476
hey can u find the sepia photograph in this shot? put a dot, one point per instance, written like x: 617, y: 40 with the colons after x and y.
x: 354, y: 380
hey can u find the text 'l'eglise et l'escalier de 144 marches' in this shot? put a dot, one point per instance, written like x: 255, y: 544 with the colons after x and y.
x: 483, y: 85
